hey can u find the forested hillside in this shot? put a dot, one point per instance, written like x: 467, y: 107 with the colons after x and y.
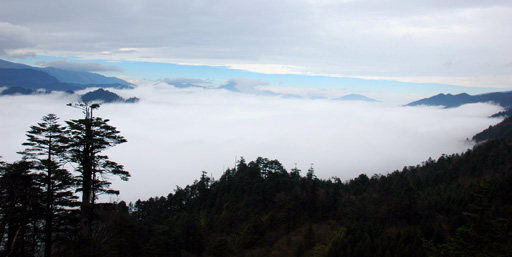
x: 501, y: 130
x: 457, y: 205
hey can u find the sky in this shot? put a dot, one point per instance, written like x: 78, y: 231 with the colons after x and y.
x: 394, y: 51
x: 464, y: 43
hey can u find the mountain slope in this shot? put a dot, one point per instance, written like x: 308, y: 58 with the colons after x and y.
x: 105, y: 96
x: 448, y: 100
x: 356, y: 97
x: 260, y: 209
x: 20, y: 91
x: 457, y: 205
x: 499, y: 131
x: 12, y: 65
x: 62, y: 79
x: 32, y: 79
x: 86, y: 78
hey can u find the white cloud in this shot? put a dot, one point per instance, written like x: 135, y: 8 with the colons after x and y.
x: 20, y: 53
x: 174, y: 134
x: 80, y: 66
x: 268, y: 68
x: 13, y: 39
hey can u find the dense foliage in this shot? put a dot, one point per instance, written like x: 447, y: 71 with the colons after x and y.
x: 457, y: 205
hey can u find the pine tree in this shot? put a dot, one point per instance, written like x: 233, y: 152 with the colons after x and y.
x: 46, y: 145
x: 20, y: 209
x: 89, y: 137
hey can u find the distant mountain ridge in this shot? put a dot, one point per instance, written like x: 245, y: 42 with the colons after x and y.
x: 22, y: 79
x: 12, y: 65
x: 105, y: 96
x: 49, y: 78
x: 356, y: 97
x: 32, y: 79
x: 232, y: 87
x: 503, y: 99
x: 85, y: 78
x: 98, y: 95
x: 22, y: 91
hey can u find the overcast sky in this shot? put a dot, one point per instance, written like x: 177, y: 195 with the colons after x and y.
x: 451, y: 42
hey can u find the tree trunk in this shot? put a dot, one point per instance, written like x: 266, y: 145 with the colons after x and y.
x: 48, y: 226
x: 87, y: 164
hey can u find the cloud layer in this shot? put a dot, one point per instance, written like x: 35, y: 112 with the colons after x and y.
x: 174, y: 134
x: 14, y: 39
x: 460, y: 42
x: 80, y: 66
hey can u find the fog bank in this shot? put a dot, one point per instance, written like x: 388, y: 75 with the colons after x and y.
x: 174, y: 134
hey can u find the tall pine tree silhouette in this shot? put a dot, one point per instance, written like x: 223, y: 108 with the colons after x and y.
x: 88, y: 138
x: 46, y: 145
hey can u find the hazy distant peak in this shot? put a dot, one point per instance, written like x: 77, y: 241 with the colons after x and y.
x: 503, y: 99
x: 63, y: 76
x: 105, y: 96
x: 230, y: 86
x: 186, y: 82
x: 83, y: 77
x: 12, y: 65
x: 356, y: 97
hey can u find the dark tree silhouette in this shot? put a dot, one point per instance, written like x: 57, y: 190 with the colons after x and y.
x: 46, y: 145
x: 88, y: 138
x: 20, y: 207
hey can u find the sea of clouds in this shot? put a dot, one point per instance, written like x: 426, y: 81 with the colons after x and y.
x: 174, y: 134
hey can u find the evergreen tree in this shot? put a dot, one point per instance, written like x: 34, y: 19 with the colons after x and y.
x: 483, y: 235
x: 20, y: 210
x: 46, y: 145
x: 89, y: 137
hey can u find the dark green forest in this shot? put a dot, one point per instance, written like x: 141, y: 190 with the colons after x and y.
x: 455, y: 205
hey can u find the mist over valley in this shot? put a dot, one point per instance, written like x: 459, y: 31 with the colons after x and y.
x: 175, y: 133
